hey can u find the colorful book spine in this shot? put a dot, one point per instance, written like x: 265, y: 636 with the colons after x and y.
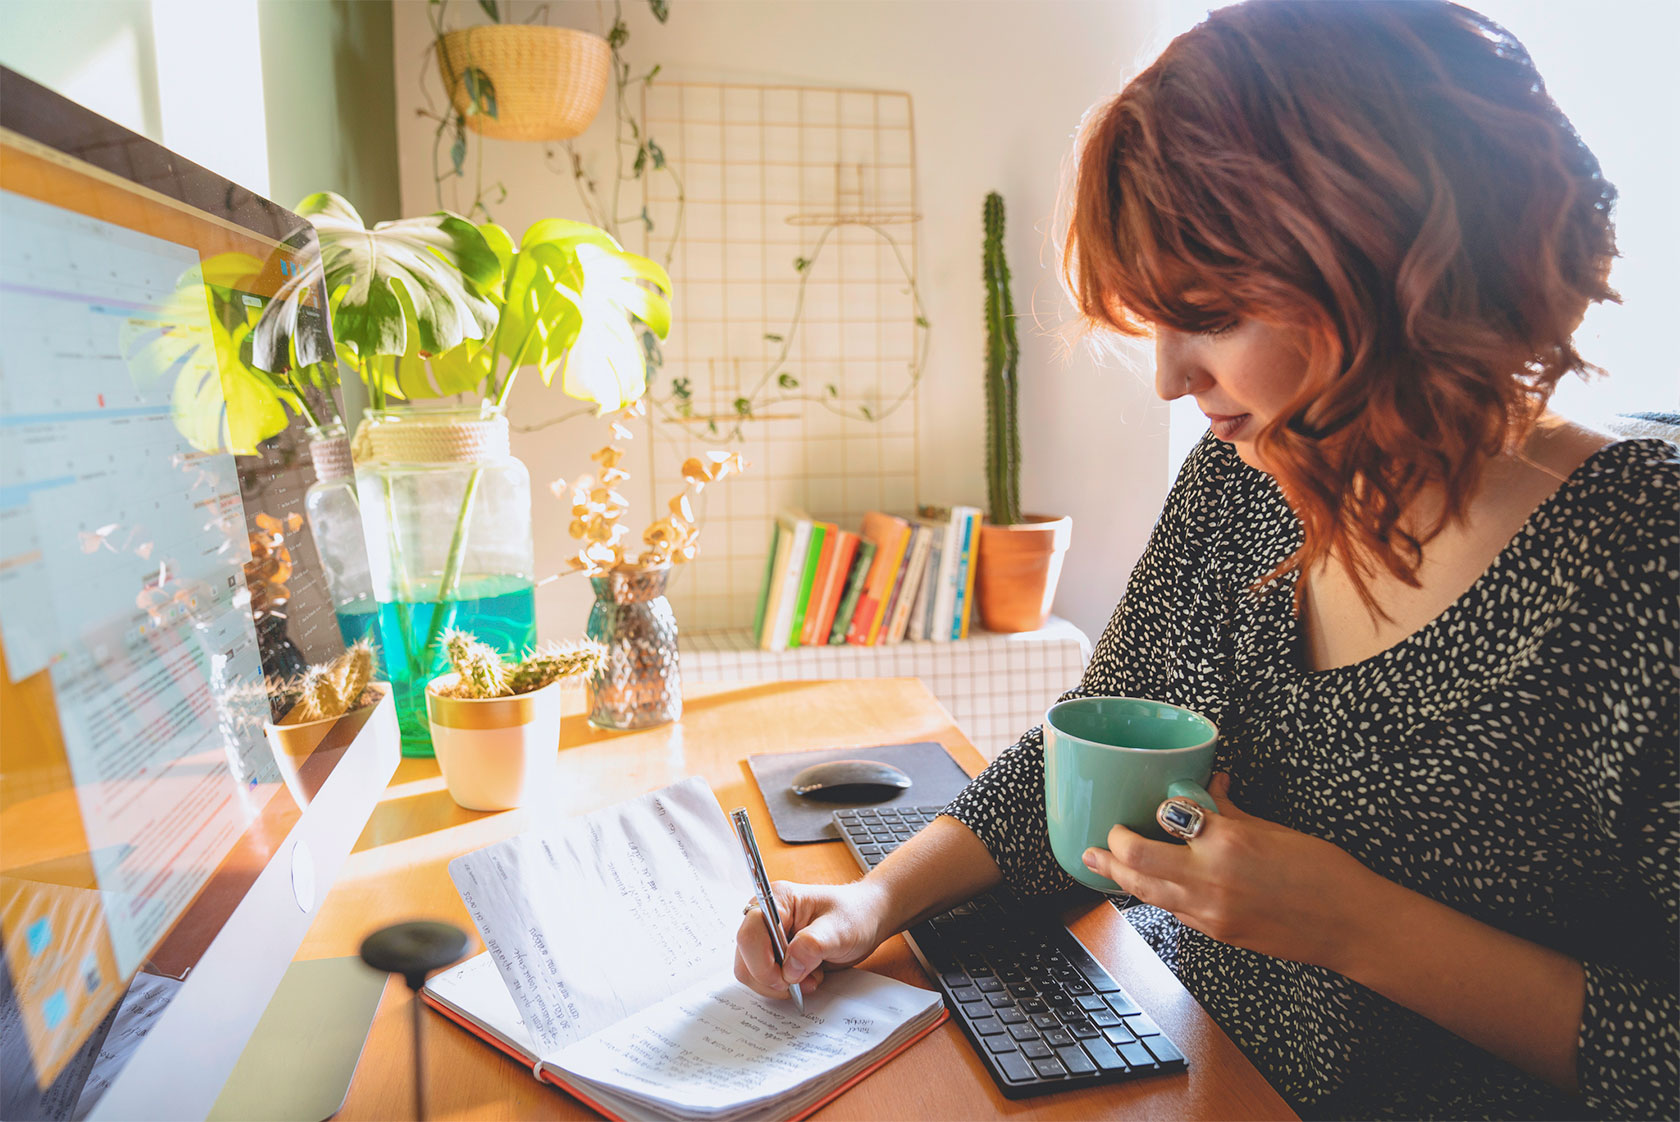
x: 967, y: 532
x: 774, y: 574
x: 807, y: 580
x: 856, y: 578
x: 764, y: 588
x: 971, y: 559
x: 790, y: 574
x: 890, y: 536
x: 909, y: 585
x: 820, y: 623
x: 921, y: 616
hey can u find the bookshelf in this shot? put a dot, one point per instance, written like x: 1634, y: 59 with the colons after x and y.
x: 996, y: 686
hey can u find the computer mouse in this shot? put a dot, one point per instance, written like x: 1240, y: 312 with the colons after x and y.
x: 851, y: 781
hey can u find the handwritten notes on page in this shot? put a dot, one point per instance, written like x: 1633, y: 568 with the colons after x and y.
x: 720, y: 1050
x: 602, y: 916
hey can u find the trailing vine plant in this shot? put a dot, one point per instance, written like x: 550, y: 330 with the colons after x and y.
x: 452, y: 122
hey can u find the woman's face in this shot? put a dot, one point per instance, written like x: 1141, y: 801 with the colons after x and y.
x: 1242, y: 377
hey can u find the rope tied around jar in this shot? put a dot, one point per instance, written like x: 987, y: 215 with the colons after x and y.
x: 421, y: 441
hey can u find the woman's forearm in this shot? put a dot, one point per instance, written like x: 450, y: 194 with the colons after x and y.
x: 939, y: 868
x: 1516, y: 999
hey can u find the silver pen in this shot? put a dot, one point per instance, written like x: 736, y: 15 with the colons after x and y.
x: 761, y: 889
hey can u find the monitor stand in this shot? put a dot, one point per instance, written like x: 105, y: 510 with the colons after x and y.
x: 300, y: 1059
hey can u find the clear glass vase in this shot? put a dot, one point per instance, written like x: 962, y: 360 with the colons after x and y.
x: 446, y: 509
x: 639, y: 685
x: 335, y: 522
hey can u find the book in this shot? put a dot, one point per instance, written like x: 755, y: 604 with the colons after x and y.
x: 807, y: 578
x: 789, y: 574
x: 942, y: 624
x: 970, y: 533
x: 781, y: 549
x: 921, y: 615
x: 608, y: 972
x: 890, y: 536
x: 862, y: 564
x: 909, y: 585
x: 818, y: 625
x: 764, y: 588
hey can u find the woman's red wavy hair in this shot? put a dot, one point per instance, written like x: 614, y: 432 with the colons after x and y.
x: 1393, y: 178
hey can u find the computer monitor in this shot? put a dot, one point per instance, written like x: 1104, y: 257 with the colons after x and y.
x: 158, y: 868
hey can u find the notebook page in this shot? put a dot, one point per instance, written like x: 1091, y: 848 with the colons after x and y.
x: 597, y: 917
x: 719, y: 1047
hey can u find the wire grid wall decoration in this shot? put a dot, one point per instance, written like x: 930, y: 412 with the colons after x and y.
x: 798, y: 337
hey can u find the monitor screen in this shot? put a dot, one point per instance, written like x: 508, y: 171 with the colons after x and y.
x: 157, y: 579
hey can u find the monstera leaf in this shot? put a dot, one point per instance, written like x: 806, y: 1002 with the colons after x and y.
x: 441, y: 265
x: 199, y: 341
x: 566, y: 305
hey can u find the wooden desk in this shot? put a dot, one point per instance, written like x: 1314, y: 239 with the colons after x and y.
x: 399, y: 871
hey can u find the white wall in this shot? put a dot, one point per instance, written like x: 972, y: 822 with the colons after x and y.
x: 998, y: 89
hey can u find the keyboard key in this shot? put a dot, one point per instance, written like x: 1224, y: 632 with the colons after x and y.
x: 1000, y: 1000
x: 1015, y: 1067
x: 1092, y: 1002
x: 1059, y: 1037
x: 973, y: 1009
x: 1047, y: 1020
x: 1107, y: 1058
x: 955, y: 978
x: 1022, y: 989
x: 1049, y: 1069
x: 1023, y: 1032
x: 1103, y: 1018
x: 1035, y: 1050
x: 1121, y: 1003
x: 1012, y: 1016
x: 965, y: 993
x: 1075, y: 1060
x: 1136, y: 1054
x: 1001, y: 1043
x: 1164, y: 1050
x: 986, y: 1026
x: 1142, y: 1026
x: 1084, y: 1030
x: 1075, y: 987
x: 988, y: 985
x: 1121, y: 1035
x: 1035, y: 1005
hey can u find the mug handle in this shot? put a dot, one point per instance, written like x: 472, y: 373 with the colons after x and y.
x: 1190, y: 789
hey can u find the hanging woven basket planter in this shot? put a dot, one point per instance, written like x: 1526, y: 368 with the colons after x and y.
x: 546, y: 83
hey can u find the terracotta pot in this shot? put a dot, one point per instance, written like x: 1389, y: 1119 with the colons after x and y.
x: 548, y: 81
x: 1019, y: 567
x: 495, y: 752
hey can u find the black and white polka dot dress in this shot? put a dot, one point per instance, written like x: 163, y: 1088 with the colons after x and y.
x: 1516, y: 759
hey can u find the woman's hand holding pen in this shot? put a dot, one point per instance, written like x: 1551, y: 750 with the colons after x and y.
x: 1248, y: 882
x: 829, y: 926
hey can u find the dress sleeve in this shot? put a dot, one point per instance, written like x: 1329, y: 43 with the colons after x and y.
x: 1628, y: 1064
x: 1004, y: 805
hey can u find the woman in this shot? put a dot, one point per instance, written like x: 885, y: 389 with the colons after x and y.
x: 1434, y: 622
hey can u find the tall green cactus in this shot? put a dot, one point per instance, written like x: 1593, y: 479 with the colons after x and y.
x: 1003, y: 436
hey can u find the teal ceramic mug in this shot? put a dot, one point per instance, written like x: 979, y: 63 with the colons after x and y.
x: 1110, y: 760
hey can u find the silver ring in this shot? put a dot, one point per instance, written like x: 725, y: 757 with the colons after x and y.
x: 752, y: 906
x: 1181, y: 817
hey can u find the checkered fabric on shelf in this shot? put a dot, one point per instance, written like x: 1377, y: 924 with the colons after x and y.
x: 996, y: 686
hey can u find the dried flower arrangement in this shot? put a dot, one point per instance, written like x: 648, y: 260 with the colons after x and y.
x: 481, y: 672
x: 330, y: 690
x: 597, y: 507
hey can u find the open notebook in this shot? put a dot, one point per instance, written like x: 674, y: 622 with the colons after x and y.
x: 609, y: 971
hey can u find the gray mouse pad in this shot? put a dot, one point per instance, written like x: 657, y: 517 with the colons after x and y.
x: 935, y: 779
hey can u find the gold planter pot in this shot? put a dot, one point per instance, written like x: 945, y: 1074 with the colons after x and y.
x: 496, y: 753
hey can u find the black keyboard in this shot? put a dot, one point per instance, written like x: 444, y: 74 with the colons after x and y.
x: 1042, y: 1013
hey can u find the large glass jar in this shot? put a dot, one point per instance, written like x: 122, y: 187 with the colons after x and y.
x: 335, y: 521
x: 447, y: 513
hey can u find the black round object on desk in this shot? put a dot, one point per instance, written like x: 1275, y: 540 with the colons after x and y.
x: 415, y: 950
